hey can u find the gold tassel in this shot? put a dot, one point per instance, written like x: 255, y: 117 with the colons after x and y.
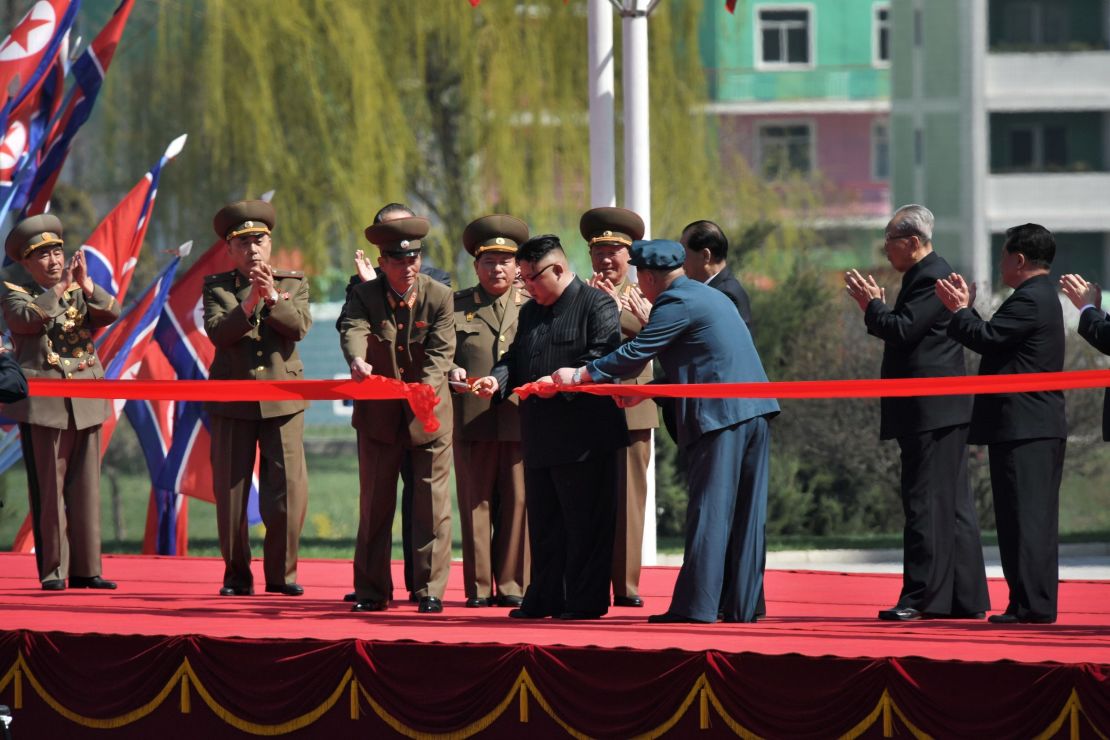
x: 523, y: 703
x: 888, y: 718
x: 354, y: 698
x: 703, y: 709
x: 18, y: 681
x: 1074, y: 723
x: 186, y: 702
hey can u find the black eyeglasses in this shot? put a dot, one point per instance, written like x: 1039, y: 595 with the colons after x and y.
x: 535, y: 277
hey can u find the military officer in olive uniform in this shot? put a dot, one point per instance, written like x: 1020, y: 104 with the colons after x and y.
x: 609, y: 232
x: 52, y: 318
x: 489, y: 472
x: 401, y: 326
x: 255, y: 315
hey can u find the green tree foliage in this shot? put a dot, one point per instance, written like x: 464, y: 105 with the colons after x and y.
x: 343, y: 106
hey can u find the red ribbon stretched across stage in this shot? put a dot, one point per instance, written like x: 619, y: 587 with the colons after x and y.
x: 421, y: 398
x: 898, y: 387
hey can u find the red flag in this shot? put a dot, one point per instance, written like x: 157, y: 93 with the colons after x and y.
x: 88, y: 71
x: 112, y: 250
x: 730, y: 6
x: 30, y: 48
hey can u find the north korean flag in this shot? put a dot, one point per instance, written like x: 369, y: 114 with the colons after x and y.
x: 112, y: 250
x: 31, y: 48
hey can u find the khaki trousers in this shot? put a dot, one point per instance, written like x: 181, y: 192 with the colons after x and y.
x: 63, y: 484
x: 282, y: 493
x: 493, y: 519
x: 378, y: 468
x: 628, y: 540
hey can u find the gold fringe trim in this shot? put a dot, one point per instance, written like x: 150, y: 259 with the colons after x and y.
x: 1071, y: 712
x: 185, y: 681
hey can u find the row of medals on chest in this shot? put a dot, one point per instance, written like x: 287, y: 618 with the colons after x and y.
x: 73, y: 335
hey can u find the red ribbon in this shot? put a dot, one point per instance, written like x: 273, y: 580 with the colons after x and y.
x: 422, y: 399
x: 898, y: 387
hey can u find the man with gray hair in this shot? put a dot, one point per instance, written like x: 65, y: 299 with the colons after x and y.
x: 942, y: 573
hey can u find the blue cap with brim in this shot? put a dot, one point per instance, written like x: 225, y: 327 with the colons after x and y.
x: 657, y: 254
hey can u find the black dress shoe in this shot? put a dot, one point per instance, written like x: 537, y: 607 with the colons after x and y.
x: 350, y: 597
x: 573, y: 616
x: 627, y: 601
x: 671, y: 618
x: 513, y: 601
x: 429, y: 605
x: 90, y: 582
x: 54, y: 584
x: 521, y: 614
x: 475, y: 603
x: 901, y: 614
x: 287, y: 589
x: 1007, y: 618
x: 237, y: 591
x: 370, y: 606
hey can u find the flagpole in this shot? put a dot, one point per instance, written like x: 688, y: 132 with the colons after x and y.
x: 603, y: 179
x: 637, y: 183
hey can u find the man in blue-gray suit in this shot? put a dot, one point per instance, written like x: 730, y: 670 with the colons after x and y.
x: 699, y: 338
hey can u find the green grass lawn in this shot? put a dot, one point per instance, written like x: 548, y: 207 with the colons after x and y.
x: 332, y: 520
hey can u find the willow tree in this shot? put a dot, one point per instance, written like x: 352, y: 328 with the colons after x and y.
x: 342, y: 106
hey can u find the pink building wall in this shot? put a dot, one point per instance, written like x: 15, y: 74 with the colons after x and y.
x: 842, y: 152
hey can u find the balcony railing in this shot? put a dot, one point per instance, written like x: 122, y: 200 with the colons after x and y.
x: 820, y: 83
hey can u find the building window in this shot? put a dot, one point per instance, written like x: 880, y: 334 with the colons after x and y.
x: 1038, y: 147
x: 881, y: 23
x: 1036, y: 23
x: 786, y: 37
x: 785, y: 149
x: 880, y: 150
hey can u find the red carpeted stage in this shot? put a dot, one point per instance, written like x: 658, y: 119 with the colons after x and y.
x: 165, y: 656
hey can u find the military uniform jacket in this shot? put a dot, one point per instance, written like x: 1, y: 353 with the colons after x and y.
x: 644, y: 414
x: 480, y: 340
x: 259, y: 346
x: 420, y: 350
x: 53, y: 339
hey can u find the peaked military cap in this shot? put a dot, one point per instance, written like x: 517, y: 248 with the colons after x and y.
x: 36, y: 232
x: 657, y: 254
x: 608, y: 225
x: 244, y: 217
x: 496, y: 233
x: 399, y: 237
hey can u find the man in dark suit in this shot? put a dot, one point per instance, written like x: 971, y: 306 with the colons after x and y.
x: 942, y: 567
x: 698, y: 339
x: 706, y: 261
x: 1094, y: 326
x: 401, y: 326
x: 569, y: 441
x: 255, y: 315
x: 1025, y: 432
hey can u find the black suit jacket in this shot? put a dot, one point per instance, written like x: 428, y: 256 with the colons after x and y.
x: 918, y: 346
x: 1025, y: 335
x: 581, y: 326
x: 1094, y: 326
x: 13, y: 383
x: 727, y: 283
